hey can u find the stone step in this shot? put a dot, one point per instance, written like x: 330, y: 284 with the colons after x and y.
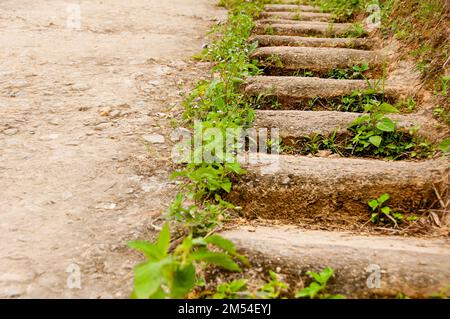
x: 294, y: 92
x: 365, y: 266
x: 298, y: 16
x: 333, y: 191
x: 291, y: 7
x: 295, y: 41
x: 317, y: 60
x: 302, y: 28
x: 293, y: 125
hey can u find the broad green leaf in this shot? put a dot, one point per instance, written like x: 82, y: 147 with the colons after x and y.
x: 360, y: 120
x: 164, y: 239
x: 149, y: 250
x: 183, y: 281
x: 383, y: 198
x: 310, y: 291
x: 386, y: 210
x: 236, y: 168
x: 199, y: 241
x: 314, y: 275
x: 238, y: 285
x: 147, y: 279
x: 386, y: 125
x: 219, y: 259
x: 222, y: 243
x: 325, y: 275
x: 444, y: 146
x: 226, y: 186
x: 376, y: 140
x: 388, y: 108
x: 373, y: 204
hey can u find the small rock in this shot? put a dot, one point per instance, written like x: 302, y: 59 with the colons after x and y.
x: 10, y: 131
x: 154, y: 138
x: 122, y: 158
x: 101, y: 126
x: 54, y: 122
x: 109, y: 206
x: 114, y: 114
x: 105, y: 111
x: 84, y: 108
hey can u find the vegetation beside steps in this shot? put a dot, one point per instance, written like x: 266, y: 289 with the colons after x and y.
x: 219, y: 240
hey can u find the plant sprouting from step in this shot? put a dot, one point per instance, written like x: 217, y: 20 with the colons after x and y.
x: 274, y: 61
x: 273, y: 289
x: 353, y: 73
x: 377, y: 134
x: 269, y: 30
x: 237, y: 289
x: 197, y: 220
x: 382, y: 213
x: 318, y: 288
x: 168, y: 274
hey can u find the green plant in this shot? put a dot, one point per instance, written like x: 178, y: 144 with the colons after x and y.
x: 199, y: 221
x: 355, y: 72
x: 303, y: 73
x: 444, y: 146
x: 173, y: 275
x: 382, y: 213
x: 273, y: 289
x: 443, y: 293
x: 342, y: 10
x: 317, y: 289
x: 442, y: 113
x: 274, y: 61
x: 269, y: 30
x: 407, y: 105
x: 236, y: 289
x: 207, y: 179
x: 216, y: 104
x: 357, y: 30
x: 311, y: 144
x: 375, y: 133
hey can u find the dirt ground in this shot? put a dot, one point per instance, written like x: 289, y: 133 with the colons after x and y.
x: 77, y: 107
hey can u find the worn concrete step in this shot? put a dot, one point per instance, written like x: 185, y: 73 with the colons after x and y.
x: 333, y: 191
x: 302, y: 28
x: 295, y: 41
x: 365, y: 267
x: 269, y: 21
x: 294, y: 92
x: 317, y: 60
x: 293, y: 125
x: 298, y: 16
x: 291, y: 7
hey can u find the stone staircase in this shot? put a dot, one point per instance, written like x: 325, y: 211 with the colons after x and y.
x: 311, y: 212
